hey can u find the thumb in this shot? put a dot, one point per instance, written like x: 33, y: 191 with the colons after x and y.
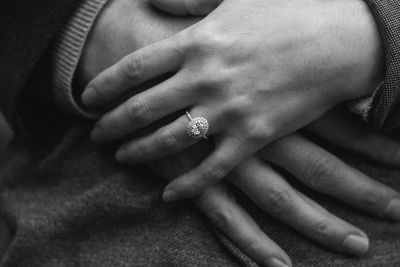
x: 186, y: 7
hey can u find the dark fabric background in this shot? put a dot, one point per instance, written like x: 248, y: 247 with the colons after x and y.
x: 27, y: 28
x: 76, y: 207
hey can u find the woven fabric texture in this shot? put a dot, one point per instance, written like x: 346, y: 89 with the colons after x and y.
x: 384, y: 111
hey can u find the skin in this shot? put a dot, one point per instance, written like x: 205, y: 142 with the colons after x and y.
x: 254, y: 74
x: 125, y: 26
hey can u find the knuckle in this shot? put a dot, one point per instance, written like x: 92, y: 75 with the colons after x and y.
x: 321, y: 230
x: 135, y: 65
x: 223, y: 218
x: 218, y: 78
x: 208, y: 84
x: 202, y: 81
x: 323, y: 174
x: 260, y: 133
x: 238, y: 108
x: 138, y: 111
x: 372, y: 200
x: 252, y: 245
x: 167, y: 140
x: 206, y: 37
x: 194, y: 188
x: 279, y: 200
x: 215, y: 173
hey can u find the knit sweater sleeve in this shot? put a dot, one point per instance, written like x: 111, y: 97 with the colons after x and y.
x: 66, y: 54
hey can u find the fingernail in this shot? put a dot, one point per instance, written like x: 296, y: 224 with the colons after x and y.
x: 89, y: 96
x: 169, y: 195
x: 356, y: 245
x: 276, y: 263
x: 393, y: 210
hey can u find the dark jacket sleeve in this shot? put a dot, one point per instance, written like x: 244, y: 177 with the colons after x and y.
x: 385, y: 106
x: 27, y: 28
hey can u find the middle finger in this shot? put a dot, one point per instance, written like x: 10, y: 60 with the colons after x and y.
x: 145, y: 108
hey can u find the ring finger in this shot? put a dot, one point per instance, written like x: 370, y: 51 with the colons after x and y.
x: 167, y: 140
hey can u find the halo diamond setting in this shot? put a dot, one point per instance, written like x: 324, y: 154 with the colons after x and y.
x: 197, y: 127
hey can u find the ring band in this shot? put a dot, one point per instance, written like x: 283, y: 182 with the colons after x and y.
x: 197, y: 127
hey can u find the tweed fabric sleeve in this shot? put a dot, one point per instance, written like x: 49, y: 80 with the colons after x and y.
x: 66, y: 54
x: 383, y: 110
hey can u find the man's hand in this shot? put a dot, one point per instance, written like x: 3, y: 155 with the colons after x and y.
x: 312, y: 165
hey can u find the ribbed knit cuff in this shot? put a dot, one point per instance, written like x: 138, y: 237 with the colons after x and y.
x: 67, y: 52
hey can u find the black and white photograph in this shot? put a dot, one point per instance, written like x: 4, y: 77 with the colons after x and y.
x: 199, y: 133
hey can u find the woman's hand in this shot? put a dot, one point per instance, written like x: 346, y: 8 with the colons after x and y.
x: 256, y: 70
x: 310, y: 164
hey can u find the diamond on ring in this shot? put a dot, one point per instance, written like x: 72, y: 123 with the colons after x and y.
x: 197, y: 127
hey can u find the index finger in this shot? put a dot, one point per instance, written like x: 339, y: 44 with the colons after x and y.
x: 138, y: 67
x: 231, y: 219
